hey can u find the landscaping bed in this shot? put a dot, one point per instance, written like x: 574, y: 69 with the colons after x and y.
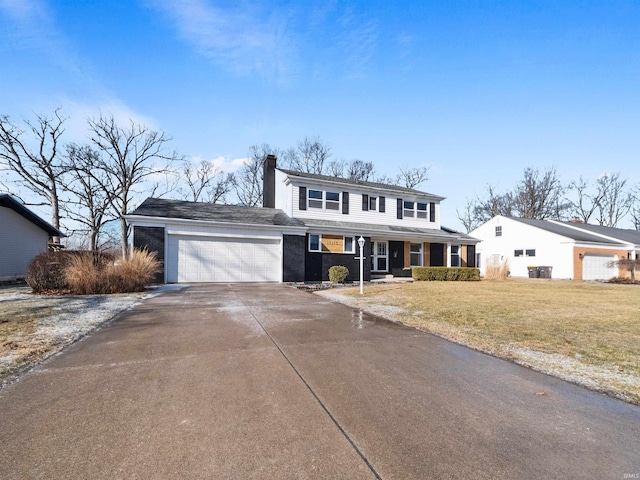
x: 584, y: 332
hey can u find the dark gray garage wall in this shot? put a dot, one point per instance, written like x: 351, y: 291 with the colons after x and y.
x: 294, y: 247
x: 151, y: 238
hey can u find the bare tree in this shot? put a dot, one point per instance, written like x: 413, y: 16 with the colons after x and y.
x: 412, y: 177
x: 335, y: 168
x: 539, y: 195
x: 468, y: 216
x: 585, y: 204
x: 39, y: 167
x: 205, y: 182
x: 310, y: 156
x: 614, y: 200
x: 635, y: 208
x: 632, y: 265
x: 493, y: 204
x: 129, y: 160
x: 248, y: 180
x: 360, y: 170
x: 89, y: 204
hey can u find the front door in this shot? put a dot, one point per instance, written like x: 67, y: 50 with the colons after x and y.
x: 380, y: 258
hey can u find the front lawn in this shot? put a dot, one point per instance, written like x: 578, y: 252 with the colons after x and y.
x: 581, y: 331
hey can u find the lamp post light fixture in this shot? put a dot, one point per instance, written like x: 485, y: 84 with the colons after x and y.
x: 361, y: 245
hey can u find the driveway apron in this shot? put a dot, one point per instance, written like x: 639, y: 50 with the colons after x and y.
x: 265, y: 381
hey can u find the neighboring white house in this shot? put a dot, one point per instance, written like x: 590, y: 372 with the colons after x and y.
x: 573, y: 250
x: 23, y: 235
x: 307, y: 224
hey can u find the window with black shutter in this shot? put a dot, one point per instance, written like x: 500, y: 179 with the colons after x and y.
x: 432, y: 212
x: 345, y: 203
x: 302, y: 201
x: 399, y: 213
x: 381, y: 204
x: 365, y: 203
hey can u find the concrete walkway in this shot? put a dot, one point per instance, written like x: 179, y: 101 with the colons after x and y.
x: 265, y: 381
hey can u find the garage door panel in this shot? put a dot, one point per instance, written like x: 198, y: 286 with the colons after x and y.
x: 211, y: 259
x: 596, y: 266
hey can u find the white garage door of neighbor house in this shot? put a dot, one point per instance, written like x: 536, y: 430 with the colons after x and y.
x: 595, y: 267
x: 203, y: 259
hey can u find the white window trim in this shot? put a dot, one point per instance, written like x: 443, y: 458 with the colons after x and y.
x: 319, y: 242
x: 353, y: 244
x: 421, y: 253
x: 324, y: 200
x: 375, y: 209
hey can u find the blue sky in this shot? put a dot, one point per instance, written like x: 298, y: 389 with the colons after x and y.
x: 475, y: 90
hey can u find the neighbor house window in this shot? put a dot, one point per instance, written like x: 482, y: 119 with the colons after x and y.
x: 315, y: 199
x: 332, y: 201
x: 373, y: 203
x: 416, y: 254
x: 349, y: 245
x: 531, y: 253
x: 421, y: 210
x: 408, y: 209
x: 455, y: 255
x: 518, y: 253
x: 315, y: 243
x: 499, y: 231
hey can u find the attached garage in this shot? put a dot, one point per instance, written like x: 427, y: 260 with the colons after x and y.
x: 221, y: 259
x: 595, y: 266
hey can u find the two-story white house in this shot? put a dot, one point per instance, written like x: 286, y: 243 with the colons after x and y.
x: 308, y: 223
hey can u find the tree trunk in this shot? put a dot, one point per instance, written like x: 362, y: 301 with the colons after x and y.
x: 125, y: 238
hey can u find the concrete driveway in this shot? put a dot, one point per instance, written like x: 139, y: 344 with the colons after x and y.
x: 265, y: 381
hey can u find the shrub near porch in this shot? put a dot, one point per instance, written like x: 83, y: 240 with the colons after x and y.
x: 581, y: 331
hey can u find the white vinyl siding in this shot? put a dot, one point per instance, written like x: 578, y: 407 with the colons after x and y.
x: 356, y: 214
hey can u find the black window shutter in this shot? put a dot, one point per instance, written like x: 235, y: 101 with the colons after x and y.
x: 381, y: 205
x: 432, y: 212
x: 302, y: 202
x: 365, y: 203
x: 345, y: 203
x: 400, y: 209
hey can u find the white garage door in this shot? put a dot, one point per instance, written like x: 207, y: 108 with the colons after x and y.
x: 595, y: 266
x: 203, y: 259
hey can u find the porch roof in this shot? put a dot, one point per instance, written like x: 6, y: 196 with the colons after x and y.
x: 389, y: 231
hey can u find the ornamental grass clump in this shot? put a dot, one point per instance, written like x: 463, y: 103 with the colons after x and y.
x: 497, y: 270
x: 92, y: 273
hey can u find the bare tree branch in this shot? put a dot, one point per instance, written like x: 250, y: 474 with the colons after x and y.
x: 39, y: 169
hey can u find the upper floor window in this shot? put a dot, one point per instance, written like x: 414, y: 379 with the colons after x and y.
x: 315, y: 199
x: 499, y: 231
x: 373, y: 203
x: 408, y: 209
x: 421, y: 211
x: 518, y: 253
x: 332, y: 201
x: 320, y: 199
x: 530, y: 253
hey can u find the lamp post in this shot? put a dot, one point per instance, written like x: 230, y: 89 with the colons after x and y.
x: 361, y: 245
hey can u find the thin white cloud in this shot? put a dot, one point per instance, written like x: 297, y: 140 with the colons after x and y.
x: 246, y: 38
x: 359, y: 41
x: 222, y: 163
x: 30, y: 25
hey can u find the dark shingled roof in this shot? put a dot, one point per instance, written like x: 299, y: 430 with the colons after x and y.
x: 630, y: 236
x: 347, y: 181
x: 8, y: 201
x: 161, y: 207
x: 565, y: 231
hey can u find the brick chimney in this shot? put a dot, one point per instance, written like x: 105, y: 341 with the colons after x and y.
x: 269, y: 182
x: 575, y: 220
